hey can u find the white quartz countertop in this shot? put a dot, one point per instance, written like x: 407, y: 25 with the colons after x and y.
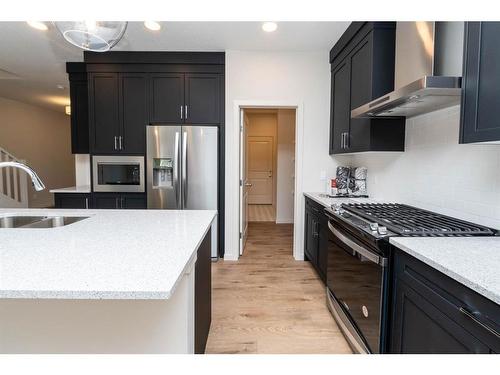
x: 114, y: 254
x: 322, y: 199
x: 472, y: 261
x: 72, y: 189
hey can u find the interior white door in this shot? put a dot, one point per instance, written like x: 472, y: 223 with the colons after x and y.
x: 244, y: 184
x: 260, y: 169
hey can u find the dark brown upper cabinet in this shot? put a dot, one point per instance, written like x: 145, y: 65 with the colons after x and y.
x: 362, y: 69
x: 185, y: 98
x: 167, y: 98
x: 480, y: 109
x: 118, y: 112
x: 78, y: 89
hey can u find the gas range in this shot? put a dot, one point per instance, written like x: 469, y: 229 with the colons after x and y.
x: 359, y: 262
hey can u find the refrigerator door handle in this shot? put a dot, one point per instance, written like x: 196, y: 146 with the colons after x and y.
x: 176, y: 170
x: 184, y: 170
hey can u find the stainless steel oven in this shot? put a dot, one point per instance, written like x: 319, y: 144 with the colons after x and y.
x: 356, y: 278
x: 118, y: 174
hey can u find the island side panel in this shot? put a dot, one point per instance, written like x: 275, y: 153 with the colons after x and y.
x: 203, y: 294
x: 49, y: 326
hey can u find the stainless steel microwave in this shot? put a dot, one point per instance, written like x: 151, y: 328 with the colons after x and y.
x: 118, y: 174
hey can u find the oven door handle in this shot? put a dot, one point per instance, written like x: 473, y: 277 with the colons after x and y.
x: 357, y: 248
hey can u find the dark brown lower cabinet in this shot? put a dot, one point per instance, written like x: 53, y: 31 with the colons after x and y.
x: 203, y: 294
x: 432, y: 313
x: 118, y: 201
x: 316, y: 237
x: 72, y: 200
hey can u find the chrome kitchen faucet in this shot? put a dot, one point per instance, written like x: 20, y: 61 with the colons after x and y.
x: 37, y: 182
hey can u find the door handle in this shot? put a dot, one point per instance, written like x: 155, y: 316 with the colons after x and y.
x: 120, y: 138
x: 357, y: 248
x: 86, y: 203
x: 181, y: 112
x: 186, y: 111
x: 184, y: 170
x: 270, y: 174
x: 116, y: 143
x: 176, y: 170
x: 474, y: 318
x: 248, y: 184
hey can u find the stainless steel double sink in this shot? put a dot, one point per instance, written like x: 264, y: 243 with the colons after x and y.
x: 14, y: 221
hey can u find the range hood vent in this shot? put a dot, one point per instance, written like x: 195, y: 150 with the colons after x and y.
x: 427, y: 73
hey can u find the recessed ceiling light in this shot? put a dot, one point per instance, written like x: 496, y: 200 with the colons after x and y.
x: 269, y: 26
x: 152, y: 25
x: 38, y: 25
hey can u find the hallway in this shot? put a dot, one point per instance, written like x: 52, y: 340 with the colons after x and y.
x: 269, y: 303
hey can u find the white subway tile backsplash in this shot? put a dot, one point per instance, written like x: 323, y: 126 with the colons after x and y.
x: 436, y: 172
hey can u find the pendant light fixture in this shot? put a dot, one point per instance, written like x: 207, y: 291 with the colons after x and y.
x: 97, y: 36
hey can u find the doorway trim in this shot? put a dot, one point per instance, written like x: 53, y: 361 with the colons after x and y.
x: 232, y: 183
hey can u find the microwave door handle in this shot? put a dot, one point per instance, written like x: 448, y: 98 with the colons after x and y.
x: 355, y: 247
x: 177, y: 190
x: 184, y: 170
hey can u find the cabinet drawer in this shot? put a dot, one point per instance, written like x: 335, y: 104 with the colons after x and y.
x: 467, y: 308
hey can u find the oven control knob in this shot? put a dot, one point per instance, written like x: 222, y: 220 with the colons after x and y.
x: 374, y: 226
x: 382, y: 230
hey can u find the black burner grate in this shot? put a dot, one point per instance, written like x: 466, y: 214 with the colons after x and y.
x: 411, y: 221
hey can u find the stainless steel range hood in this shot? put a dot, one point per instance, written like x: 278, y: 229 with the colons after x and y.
x: 427, y: 73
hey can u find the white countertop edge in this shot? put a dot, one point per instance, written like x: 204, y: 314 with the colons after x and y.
x: 454, y: 275
x: 72, y: 190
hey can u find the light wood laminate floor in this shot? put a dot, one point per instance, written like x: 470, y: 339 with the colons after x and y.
x: 269, y: 303
x: 261, y: 212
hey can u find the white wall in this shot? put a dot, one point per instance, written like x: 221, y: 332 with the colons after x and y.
x: 302, y: 78
x: 285, y: 184
x: 437, y: 173
x: 43, y: 138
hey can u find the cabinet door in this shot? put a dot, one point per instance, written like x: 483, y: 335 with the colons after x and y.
x: 361, y: 93
x: 202, y: 99
x: 167, y: 98
x: 70, y: 200
x: 481, y: 83
x: 419, y: 327
x: 79, y: 117
x: 340, y: 107
x: 106, y: 201
x: 323, y: 233
x: 311, y: 244
x: 104, y: 112
x: 133, y: 201
x: 134, y: 110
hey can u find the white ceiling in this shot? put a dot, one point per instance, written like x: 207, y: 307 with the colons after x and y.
x: 32, y: 62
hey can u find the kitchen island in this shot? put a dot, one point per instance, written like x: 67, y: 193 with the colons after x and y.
x: 118, y: 281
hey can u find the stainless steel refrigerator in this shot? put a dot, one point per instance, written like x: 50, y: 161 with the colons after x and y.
x: 182, y: 170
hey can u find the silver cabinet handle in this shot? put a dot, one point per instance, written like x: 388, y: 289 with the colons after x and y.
x: 181, y: 112
x: 357, y: 248
x: 116, y: 143
x: 86, y: 203
x: 184, y: 170
x: 186, y: 111
x: 346, y: 140
x: 177, y: 189
x: 120, y: 138
x: 342, y: 141
x: 473, y: 317
x: 117, y: 206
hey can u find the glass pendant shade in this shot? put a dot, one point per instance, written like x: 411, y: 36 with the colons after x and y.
x: 97, y: 36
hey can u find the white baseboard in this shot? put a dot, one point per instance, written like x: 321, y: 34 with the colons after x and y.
x: 284, y: 221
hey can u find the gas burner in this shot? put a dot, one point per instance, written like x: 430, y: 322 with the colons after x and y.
x: 411, y: 221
